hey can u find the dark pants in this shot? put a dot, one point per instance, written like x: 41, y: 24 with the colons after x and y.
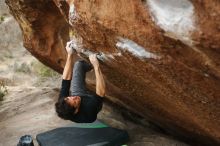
x: 78, y: 84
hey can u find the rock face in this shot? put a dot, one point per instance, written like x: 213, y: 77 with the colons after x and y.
x: 160, y: 58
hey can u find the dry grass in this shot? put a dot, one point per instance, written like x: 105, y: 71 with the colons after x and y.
x: 2, y: 18
x: 3, y: 90
x: 42, y: 70
x: 23, y: 67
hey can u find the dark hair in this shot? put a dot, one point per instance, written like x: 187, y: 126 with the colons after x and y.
x: 64, y: 110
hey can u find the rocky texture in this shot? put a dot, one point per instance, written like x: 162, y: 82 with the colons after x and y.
x: 43, y: 28
x: 158, y: 62
x: 32, y: 93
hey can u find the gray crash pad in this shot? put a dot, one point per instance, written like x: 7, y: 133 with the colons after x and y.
x: 88, y: 134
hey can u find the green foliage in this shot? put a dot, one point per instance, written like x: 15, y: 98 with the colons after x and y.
x: 72, y: 33
x: 9, y: 55
x: 3, y: 90
x: 2, y: 18
x: 43, y: 71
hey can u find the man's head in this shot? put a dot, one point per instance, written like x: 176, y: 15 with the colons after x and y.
x: 67, y: 107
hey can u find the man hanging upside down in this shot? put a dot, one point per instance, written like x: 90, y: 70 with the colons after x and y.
x: 75, y: 102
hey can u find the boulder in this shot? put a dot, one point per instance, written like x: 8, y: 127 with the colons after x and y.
x: 160, y: 58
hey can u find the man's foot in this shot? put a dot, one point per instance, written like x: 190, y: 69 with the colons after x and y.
x: 88, y: 66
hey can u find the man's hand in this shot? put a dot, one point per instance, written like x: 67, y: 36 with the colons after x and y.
x: 94, y: 61
x: 68, y: 68
x: 70, y: 47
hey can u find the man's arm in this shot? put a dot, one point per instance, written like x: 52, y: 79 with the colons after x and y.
x: 100, y: 83
x: 67, y: 73
x: 68, y: 68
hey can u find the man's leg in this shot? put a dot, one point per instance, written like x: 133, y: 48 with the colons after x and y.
x: 78, y: 84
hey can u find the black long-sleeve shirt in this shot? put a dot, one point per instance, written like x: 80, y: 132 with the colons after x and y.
x: 90, y: 104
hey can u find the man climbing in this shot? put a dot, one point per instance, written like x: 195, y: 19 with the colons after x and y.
x: 75, y: 102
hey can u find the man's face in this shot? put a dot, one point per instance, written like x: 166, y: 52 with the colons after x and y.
x: 73, y: 101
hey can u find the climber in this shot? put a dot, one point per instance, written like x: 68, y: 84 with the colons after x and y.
x: 76, y: 102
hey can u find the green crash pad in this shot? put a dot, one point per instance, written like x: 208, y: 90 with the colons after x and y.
x: 83, y: 134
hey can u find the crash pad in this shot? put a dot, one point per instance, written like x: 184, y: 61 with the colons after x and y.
x: 83, y: 134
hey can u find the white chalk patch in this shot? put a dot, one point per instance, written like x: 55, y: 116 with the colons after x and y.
x: 107, y: 56
x: 104, y: 57
x: 100, y: 55
x: 174, y: 16
x: 123, y: 44
x: 76, y: 44
x: 134, y: 48
x: 72, y: 14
